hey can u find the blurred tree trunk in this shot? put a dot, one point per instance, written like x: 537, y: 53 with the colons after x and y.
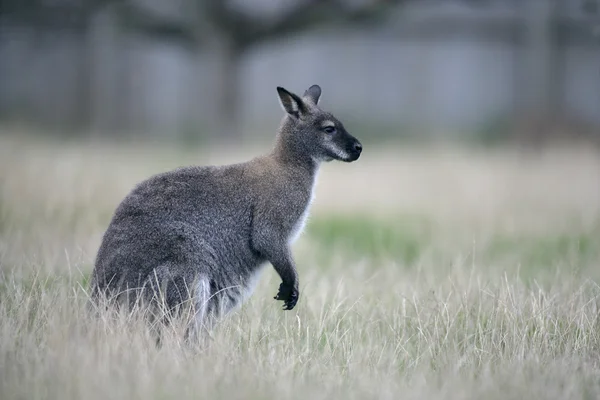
x: 543, y: 81
x: 227, y: 62
x: 84, y: 103
x: 110, y: 71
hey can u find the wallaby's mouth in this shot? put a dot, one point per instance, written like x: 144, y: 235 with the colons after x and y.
x: 347, y: 156
x: 354, y: 152
x: 353, y: 157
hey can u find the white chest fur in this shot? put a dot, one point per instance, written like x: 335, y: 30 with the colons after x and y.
x: 298, y: 227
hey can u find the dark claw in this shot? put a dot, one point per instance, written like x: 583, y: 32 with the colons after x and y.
x: 289, y: 295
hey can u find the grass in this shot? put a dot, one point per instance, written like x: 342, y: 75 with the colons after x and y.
x: 442, y: 273
x: 402, y: 239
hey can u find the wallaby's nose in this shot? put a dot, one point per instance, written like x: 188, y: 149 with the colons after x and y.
x: 358, y: 147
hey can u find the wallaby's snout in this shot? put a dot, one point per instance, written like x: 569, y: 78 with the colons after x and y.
x: 354, y: 151
x: 358, y: 148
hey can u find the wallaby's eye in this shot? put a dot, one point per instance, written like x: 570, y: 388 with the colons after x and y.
x: 329, y: 129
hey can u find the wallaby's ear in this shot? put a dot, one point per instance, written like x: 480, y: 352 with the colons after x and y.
x: 313, y: 93
x: 291, y: 103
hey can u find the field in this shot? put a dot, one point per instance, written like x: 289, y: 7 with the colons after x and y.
x: 426, y: 273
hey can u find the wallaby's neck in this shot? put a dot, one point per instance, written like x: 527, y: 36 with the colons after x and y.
x: 290, y: 154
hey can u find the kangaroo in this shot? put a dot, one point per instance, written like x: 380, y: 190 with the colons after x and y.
x: 202, y: 234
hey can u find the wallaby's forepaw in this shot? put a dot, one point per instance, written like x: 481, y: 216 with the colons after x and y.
x: 289, y: 295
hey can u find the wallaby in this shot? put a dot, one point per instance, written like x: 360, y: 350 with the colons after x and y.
x: 202, y: 234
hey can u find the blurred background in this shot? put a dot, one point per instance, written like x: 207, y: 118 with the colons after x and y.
x: 464, y: 243
x: 487, y: 70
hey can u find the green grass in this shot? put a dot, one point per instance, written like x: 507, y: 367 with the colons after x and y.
x: 402, y: 238
x: 406, y: 239
x: 545, y: 251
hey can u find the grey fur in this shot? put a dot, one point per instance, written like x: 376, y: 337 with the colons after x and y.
x: 202, y: 234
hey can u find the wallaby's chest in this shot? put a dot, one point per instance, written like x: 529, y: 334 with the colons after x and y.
x: 298, y: 226
x: 286, y: 196
x: 300, y: 216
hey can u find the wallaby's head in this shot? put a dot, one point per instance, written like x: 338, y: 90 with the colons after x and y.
x: 311, y: 131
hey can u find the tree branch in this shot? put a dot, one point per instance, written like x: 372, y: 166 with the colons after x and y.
x: 152, y: 23
x: 312, y: 13
x: 58, y: 15
x: 218, y: 19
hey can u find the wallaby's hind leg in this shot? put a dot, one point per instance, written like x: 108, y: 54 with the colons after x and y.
x: 202, y: 317
x: 183, y: 298
x: 211, y: 302
x: 167, y: 296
